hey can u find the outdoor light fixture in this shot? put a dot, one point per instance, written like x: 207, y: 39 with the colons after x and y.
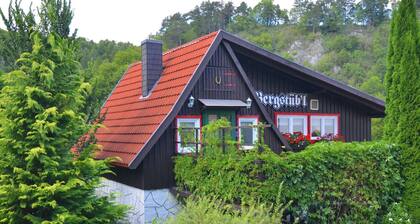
x: 191, y: 101
x: 248, y: 103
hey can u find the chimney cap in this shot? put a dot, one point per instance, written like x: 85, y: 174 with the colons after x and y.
x: 151, y: 41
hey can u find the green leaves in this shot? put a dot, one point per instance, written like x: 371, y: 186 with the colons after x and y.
x: 331, y: 182
x: 402, y: 123
x: 40, y: 179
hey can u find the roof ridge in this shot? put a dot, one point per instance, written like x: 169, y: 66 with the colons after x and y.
x: 198, y: 39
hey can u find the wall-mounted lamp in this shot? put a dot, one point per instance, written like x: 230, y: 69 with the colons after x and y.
x: 248, y: 103
x: 191, y: 101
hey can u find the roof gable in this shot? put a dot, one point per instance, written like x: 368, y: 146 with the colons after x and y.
x: 298, y: 71
x: 131, y: 121
x: 134, y: 124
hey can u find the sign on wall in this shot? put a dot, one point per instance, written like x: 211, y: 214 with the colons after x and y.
x: 280, y: 100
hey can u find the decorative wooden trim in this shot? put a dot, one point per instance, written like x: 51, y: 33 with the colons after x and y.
x: 178, y: 105
x: 311, y: 76
x: 252, y: 90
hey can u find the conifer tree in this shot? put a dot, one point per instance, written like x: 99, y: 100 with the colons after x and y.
x: 402, y: 123
x: 41, y: 180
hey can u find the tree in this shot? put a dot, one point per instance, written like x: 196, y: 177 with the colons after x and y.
x: 269, y: 14
x: 307, y: 14
x: 40, y: 179
x: 103, y: 76
x: 19, y: 25
x: 242, y: 19
x: 402, y: 122
x: 54, y: 15
x: 371, y: 12
x: 175, y: 31
x: 206, y: 18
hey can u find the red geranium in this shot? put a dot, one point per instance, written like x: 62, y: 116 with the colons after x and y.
x: 297, y: 140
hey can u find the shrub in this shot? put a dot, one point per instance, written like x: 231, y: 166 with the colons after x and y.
x: 328, y: 182
x: 397, y: 215
x: 205, y: 210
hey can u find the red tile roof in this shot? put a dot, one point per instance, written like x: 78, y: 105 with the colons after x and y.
x: 131, y: 120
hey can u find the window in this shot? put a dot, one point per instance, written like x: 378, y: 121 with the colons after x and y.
x: 248, y: 136
x: 292, y: 123
x: 189, y: 129
x: 314, y: 104
x: 322, y: 125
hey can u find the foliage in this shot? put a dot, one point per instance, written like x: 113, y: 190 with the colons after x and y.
x: 54, y: 16
x: 205, y: 210
x: 297, y: 140
x: 103, y: 76
x: 402, y: 98
x: 397, y: 215
x: 371, y: 12
x: 269, y: 14
x: 350, y: 51
x: 40, y: 179
x: 19, y: 25
x: 327, y: 182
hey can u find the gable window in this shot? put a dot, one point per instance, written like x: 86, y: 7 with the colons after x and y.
x: 248, y: 135
x: 288, y: 123
x: 322, y: 125
x: 188, y: 133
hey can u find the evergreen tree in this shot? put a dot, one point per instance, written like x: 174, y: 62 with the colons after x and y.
x: 242, y: 19
x: 54, y: 16
x: 269, y: 14
x: 372, y: 12
x: 402, y: 123
x: 41, y: 181
x: 19, y: 25
x: 175, y: 31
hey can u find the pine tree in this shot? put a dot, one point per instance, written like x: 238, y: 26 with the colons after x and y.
x: 402, y: 123
x: 54, y: 16
x: 40, y: 178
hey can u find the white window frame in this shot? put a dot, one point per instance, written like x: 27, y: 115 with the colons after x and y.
x: 291, y: 117
x: 254, y: 121
x: 323, y: 117
x: 197, y: 124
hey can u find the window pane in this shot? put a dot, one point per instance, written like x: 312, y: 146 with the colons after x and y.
x: 187, y: 134
x: 298, y: 125
x: 316, y: 127
x: 212, y: 117
x: 329, y: 126
x: 284, y: 125
x: 247, y: 133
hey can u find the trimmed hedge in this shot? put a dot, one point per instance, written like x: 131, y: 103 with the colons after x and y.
x: 327, y: 182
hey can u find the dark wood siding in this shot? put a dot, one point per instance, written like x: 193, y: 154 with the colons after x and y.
x: 233, y: 88
x: 156, y: 170
x: 354, y: 120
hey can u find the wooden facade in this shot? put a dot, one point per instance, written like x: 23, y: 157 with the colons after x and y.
x: 222, y: 79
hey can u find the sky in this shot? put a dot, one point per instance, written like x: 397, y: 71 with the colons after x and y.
x: 126, y: 20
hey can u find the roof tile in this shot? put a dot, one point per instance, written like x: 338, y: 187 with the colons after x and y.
x: 131, y: 120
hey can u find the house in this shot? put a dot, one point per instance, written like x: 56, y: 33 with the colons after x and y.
x: 217, y: 75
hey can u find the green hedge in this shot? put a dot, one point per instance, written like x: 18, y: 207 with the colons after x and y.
x: 327, y: 182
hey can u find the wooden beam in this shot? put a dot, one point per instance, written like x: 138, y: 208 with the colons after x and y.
x: 254, y: 95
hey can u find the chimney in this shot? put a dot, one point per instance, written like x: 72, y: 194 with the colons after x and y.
x: 151, y: 64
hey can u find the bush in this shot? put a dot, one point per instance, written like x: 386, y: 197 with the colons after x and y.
x: 397, y: 215
x: 327, y: 182
x: 205, y: 210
